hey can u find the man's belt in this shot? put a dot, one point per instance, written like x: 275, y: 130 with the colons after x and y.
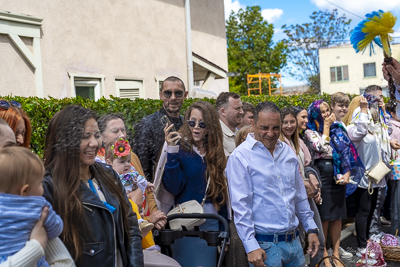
x: 287, y: 237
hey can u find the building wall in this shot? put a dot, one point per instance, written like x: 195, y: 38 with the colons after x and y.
x: 209, y: 36
x: 346, y: 55
x: 141, y: 39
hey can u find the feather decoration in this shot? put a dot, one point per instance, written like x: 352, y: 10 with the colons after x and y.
x: 374, y: 29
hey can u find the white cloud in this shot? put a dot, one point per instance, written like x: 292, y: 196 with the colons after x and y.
x: 232, y: 5
x: 358, y: 7
x: 271, y: 15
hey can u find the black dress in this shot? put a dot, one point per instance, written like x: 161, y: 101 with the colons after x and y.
x: 333, y: 196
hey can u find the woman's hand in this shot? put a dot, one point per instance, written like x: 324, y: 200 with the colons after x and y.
x: 363, y: 104
x: 39, y: 232
x: 394, y: 143
x: 346, y: 178
x: 318, y: 198
x: 313, y: 181
x: 330, y: 120
x: 171, y: 137
x: 150, y: 187
x: 309, y: 189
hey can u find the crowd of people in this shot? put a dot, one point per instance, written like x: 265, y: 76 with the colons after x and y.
x: 284, y: 179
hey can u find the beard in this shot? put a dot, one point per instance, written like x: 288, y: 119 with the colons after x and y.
x: 175, y: 111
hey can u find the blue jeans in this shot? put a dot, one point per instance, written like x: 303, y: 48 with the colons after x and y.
x: 288, y: 254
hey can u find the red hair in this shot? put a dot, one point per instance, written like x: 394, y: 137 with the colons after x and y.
x: 12, y: 117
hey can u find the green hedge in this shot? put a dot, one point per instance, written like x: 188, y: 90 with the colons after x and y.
x: 41, y: 110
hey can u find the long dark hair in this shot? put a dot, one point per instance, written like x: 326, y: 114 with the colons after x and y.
x: 215, y: 157
x: 295, y: 136
x: 61, y: 159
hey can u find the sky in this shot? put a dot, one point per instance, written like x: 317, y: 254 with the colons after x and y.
x: 298, y: 11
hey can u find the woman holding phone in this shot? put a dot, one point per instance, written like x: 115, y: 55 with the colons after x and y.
x: 194, y: 168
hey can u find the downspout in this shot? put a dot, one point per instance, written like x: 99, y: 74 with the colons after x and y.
x: 189, y: 48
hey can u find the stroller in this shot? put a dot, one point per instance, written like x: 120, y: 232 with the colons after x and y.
x: 213, y: 238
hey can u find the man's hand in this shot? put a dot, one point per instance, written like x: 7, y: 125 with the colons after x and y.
x: 394, y: 144
x: 258, y: 256
x: 39, y: 233
x: 394, y: 71
x: 158, y: 218
x: 313, y: 245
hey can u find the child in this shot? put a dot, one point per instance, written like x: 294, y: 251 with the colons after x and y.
x: 21, y: 201
x: 118, y: 155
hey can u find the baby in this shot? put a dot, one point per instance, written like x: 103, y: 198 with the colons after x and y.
x: 118, y: 155
x: 21, y: 201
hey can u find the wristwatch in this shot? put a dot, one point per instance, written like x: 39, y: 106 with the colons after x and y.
x: 313, y: 231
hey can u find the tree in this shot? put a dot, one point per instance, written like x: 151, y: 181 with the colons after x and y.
x: 326, y: 29
x: 250, y: 47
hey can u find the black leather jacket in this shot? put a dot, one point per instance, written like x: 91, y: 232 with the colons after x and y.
x: 104, y: 232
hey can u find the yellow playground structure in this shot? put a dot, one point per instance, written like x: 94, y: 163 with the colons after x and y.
x: 258, y: 78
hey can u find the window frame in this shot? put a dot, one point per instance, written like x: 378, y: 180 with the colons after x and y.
x: 336, y: 74
x: 364, y: 64
x: 87, y: 80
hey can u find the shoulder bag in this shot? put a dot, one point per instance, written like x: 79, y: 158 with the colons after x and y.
x: 191, y: 206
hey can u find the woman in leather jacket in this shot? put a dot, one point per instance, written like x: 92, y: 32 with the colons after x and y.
x: 100, y: 228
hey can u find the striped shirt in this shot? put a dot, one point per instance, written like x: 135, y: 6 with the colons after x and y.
x: 18, y: 215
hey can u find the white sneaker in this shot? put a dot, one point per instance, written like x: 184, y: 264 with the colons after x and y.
x: 360, y: 252
x: 344, y: 254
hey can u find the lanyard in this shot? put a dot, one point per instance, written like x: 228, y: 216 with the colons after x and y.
x: 108, y: 206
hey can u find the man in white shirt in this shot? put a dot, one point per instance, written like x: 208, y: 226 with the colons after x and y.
x: 230, y: 110
x: 268, y: 195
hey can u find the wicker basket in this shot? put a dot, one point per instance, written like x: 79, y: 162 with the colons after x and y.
x: 391, y: 253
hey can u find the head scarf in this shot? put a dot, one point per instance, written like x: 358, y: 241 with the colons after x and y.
x: 345, y: 156
x: 373, y: 101
x: 315, y: 120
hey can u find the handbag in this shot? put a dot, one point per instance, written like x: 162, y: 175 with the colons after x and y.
x: 376, y: 174
x: 191, y: 206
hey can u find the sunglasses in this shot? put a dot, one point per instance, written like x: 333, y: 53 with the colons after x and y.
x: 201, y: 124
x: 178, y: 94
x: 6, y: 105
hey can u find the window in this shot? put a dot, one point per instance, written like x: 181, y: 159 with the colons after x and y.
x: 87, y: 85
x: 129, y: 88
x: 339, y: 74
x: 87, y: 89
x: 369, y: 70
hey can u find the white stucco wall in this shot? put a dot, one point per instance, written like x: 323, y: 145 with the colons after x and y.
x: 141, y: 39
x: 346, y: 55
x: 209, y: 36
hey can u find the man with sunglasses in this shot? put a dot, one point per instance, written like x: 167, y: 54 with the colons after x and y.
x: 149, y: 132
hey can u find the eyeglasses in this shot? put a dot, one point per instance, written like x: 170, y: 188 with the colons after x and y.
x: 178, y: 94
x: 201, y: 124
x: 6, y: 105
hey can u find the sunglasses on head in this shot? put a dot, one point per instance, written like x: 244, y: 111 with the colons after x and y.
x: 201, y: 124
x: 168, y: 93
x: 6, y: 105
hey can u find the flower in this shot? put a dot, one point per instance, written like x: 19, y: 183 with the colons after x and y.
x: 121, y: 148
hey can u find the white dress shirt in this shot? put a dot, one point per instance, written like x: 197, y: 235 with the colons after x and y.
x: 267, y: 193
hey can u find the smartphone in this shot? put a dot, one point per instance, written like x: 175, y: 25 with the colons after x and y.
x: 164, y: 120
